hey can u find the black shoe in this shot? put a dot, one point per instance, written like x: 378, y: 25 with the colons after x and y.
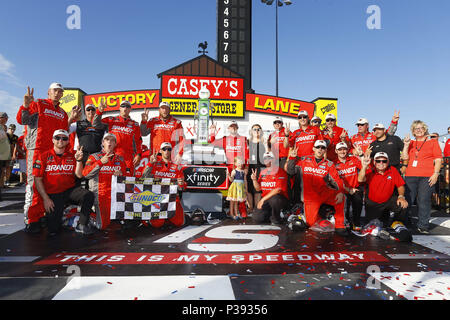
x: 85, y: 230
x: 34, y: 227
x: 343, y: 232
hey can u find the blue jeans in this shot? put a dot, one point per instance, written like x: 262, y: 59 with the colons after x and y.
x: 420, y: 188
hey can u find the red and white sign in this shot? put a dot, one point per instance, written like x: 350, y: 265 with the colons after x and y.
x: 276, y: 105
x: 217, y: 258
x: 189, y: 87
x: 138, y: 99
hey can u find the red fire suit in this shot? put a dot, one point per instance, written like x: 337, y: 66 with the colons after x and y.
x: 233, y: 146
x: 99, y: 176
x: 40, y: 119
x: 277, y: 147
x: 304, y: 140
x: 333, y: 141
x: 161, y: 169
x: 320, y: 183
x: 128, y: 135
x: 170, y: 130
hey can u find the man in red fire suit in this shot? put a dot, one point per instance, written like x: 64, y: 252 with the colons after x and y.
x: 40, y: 118
x: 164, y: 167
x: 99, y: 169
x: 164, y: 128
x: 127, y: 132
x: 320, y: 184
x: 275, y: 142
x: 333, y: 135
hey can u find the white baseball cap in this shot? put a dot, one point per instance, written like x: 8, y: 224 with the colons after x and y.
x: 278, y: 119
x: 164, y: 104
x: 109, y: 135
x: 330, y: 116
x: 303, y: 113
x: 56, y: 85
x: 378, y: 126
x: 362, y: 121
x: 380, y: 155
x: 90, y: 105
x: 233, y: 123
x: 316, y: 118
x: 125, y: 102
x: 268, y: 154
x: 320, y: 143
x: 341, y: 145
x: 60, y: 132
x: 165, y: 144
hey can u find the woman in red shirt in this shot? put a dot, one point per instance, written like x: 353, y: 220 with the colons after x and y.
x: 424, y: 158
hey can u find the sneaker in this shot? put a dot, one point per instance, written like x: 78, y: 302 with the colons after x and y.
x: 423, y: 231
x: 343, y: 232
x: 34, y: 227
x: 84, y: 229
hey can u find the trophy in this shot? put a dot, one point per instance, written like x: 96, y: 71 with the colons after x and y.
x: 203, y: 117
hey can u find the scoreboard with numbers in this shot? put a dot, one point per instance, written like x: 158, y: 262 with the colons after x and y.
x: 234, y: 37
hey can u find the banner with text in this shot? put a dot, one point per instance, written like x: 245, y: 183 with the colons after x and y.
x: 139, y: 99
x: 277, y: 105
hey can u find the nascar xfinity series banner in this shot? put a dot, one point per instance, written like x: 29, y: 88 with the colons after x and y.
x: 143, y: 199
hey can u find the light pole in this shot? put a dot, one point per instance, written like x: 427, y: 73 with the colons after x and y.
x: 278, y: 4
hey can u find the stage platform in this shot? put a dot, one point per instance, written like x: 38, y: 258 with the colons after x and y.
x: 231, y: 260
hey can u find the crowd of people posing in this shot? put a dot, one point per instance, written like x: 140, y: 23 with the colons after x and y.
x: 311, y: 165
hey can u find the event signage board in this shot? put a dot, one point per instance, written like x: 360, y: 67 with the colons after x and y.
x: 325, y: 106
x: 139, y: 99
x: 206, y: 177
x: 72, y: 97
x: 277, y: 105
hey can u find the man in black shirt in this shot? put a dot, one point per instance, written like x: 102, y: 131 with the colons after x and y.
x: 392, y: 145
x: 89, y: 136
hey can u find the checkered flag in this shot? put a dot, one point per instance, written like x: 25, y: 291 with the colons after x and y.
x: 143, y: 199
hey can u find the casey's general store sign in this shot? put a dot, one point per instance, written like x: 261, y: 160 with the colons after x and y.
x: 181, y: 92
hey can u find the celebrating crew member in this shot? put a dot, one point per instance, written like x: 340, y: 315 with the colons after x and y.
x: 99, y: 169
x: 162, y: 129
x: 127, y: 132
x: 391, y: 145
x: 42, y: 118
x: 316, y: 121
x: 364, y: 138
x: 88, y: 135
x: 321, y: 185
x: 272, y: 182
x: 333, y: 135
x: 234, y: 145
x: 166, y: 168
x: 275, y: 142
x: 347, y: 167
x: 304, y: 137
x: 55, y: 174
x: 382, y: 182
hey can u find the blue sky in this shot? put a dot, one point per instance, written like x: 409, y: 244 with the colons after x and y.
x: 325, y: 50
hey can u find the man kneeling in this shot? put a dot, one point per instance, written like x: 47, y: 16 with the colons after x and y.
x: 273, y: 184
x: 55, y: 172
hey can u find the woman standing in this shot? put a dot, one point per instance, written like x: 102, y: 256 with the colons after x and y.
x: 256, y: 152
x: 424, y: 158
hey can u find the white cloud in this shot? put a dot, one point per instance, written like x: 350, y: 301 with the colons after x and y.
x: 9, y: 104
x: 7, y: 71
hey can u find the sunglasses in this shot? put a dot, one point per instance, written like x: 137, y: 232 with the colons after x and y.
x: 321, y: 147
x: 316, y: 121
x: 166, y: 149
x: 256, y: 129
x: 360, y: 125
x: 329, y: 120
x: 57, y: 138
x: 125, y: 106
x: 277, y: 122
x: 90, y: 109
x: 381, y: 161
x: 303, y: 117
x: 433, y: 137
